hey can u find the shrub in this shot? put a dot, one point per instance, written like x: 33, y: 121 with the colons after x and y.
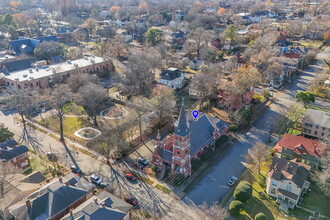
x: 233, y: 128
x: 260, y: 216
x: 154, y: 168
x: 243, y: 191
x: 235, y: 207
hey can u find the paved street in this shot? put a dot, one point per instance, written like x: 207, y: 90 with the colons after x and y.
x: 213, y: 186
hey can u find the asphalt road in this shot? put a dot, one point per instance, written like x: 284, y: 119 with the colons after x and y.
x: 213, y: 186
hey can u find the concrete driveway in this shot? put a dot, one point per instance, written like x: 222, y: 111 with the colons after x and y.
x: 213, y: 186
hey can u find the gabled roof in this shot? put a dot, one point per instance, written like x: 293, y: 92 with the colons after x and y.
x: 9, y: 143
x: 282, y: 169
x: 114, y: 208
x: 27, y: 45
x: 171, y: 74
x: 301, y: 145
x: 166, y: 155
x: 48, y: 201
x: 182, y: 128
x: 7, y: 155
x: 201, y: 133
x: 18, y: 65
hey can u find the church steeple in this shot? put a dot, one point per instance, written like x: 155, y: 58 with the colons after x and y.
x: 182, y: 128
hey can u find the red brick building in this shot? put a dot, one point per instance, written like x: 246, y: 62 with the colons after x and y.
x: 234, y: 101
x: 189, y: 140
x: 17, y: 156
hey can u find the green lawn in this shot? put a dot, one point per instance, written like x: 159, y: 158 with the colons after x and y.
x: 316, y: 199
x: 71, y: 124
x: 189, y: 102
x: 36, y: 165
x: 261, y: 202
x: 74, y: 109
x: 294, y: 131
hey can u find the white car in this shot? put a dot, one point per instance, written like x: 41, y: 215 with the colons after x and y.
x: 270, y: 89
x: 232, y: 181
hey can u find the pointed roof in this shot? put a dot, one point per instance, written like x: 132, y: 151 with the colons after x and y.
x: 182, y: 128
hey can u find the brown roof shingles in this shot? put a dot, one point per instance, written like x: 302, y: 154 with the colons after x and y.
x: 282, y: 169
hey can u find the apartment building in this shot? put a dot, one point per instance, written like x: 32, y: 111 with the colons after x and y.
x: 316, y: 124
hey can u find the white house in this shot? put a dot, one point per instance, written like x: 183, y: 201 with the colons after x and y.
x: 172, y: 78
x: 258, y: 16
x: 287, y: 181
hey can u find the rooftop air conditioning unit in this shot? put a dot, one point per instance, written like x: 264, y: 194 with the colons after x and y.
x: 16, y: 79
x: 25, y: 76
x: 31, y: 77
x: 30, y: 71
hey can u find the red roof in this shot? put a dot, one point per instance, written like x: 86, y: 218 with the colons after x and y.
x: 301, y: 145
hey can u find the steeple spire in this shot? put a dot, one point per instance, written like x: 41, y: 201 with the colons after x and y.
x: 182, y: 128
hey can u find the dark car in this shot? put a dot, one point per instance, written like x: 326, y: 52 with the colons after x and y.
x: 74, y: 169
x: 131, y: 200
x: 51, y: 157
x: 97, y: 181
x: 232, y: 181
x: 130, y: 177
x: 142, y: 161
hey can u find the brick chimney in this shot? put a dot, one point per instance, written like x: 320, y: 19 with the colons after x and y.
x: 60, y: 180
x: 28, y: 203
x: 103, y: 204
x: 71, y: 212
x: 95, y: 200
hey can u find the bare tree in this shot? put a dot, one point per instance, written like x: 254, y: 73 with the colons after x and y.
x: 205, y: 84
x: 197, y: 39
x: 112, y: 142
x: 138, y: 79
x: 294, y: 29
x: 256, y: 155
x: 92, y: 97
x: 116, y: 47
x: 57, y: 99
x: 322, y: 177
x: 289, y: 115
x: 163, y: 103
x: 7, y: 176
x: 23, y: 101
x: 140, y: 108
x: 77, y: 81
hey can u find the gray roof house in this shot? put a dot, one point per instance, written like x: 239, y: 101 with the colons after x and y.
x: 287, y: 181
x: 316, y: 124
x: 102, y: 206
x: 54, y: 200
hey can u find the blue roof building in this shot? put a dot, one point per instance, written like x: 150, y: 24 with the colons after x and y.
x: 27, y: 45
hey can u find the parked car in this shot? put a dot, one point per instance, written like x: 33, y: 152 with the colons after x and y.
x: 75, y: 169
x: 131, y: 200
x: 270, y: 89
x: 130, y: 177
x: 142, y: 161
x: 232, y: 181
x: 51, y: 157
x: 97, y: 181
